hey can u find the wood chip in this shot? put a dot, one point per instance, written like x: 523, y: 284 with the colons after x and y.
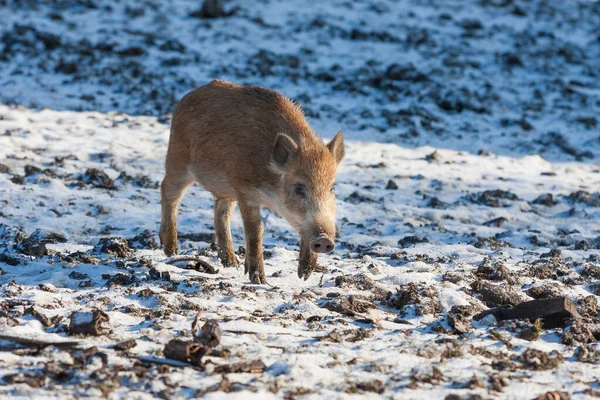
x: 88, y: 323
x: 553, y: 312
x: 186, y: 351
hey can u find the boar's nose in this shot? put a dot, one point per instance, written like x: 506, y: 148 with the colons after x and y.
x: 322, y: 245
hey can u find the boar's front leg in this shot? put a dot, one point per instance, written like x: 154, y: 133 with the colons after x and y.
x: 253, y: 230
x: 307, y: 262
x: 172, y: 190
x: 223, y: 210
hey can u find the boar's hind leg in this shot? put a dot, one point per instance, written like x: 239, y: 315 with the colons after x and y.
x: 307, y: 261
x: 223, y: 210
x: 171, y: 191
x: 253, y: 230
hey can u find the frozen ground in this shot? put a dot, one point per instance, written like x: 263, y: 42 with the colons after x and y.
x: 482, y: 114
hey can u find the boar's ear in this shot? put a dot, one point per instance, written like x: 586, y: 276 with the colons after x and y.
x: 284, y: 151
x: 336, y: 146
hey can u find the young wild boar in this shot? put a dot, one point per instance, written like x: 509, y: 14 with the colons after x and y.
x: 253, y: 146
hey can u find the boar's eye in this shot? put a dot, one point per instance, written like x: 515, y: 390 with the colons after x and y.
x: 299, y: 191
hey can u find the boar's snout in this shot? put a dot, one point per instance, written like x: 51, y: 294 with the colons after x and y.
x: 322, y: 245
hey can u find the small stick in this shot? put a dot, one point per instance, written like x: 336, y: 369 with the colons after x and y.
x: 167, y: 361
x: 181, y: 259
x: 209, y: 268
x: 38, y: 342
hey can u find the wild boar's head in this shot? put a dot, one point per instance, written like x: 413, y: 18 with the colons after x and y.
x: 306, y: 191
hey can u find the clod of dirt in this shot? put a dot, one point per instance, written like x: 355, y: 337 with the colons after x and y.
x: 554, y: 254
x: 577, y: 332
x: 491, y: 198
x: 144, y: 240
x: 512, y: 60
x: 459, y: 323
x: 98, y: 179
x: 594, y: 288
x: 499, y: 295
x: 434, y: 202
x: 496, y: 272
x: 18, y: 179
x: 114, y: 246
x: 210, y: 334
x: 407, y: 72
x: 125, y: 345
x: 545, y: 200
x: 78, y: 276
x: 48, y: 287
x: 356, y: 335
x: 554, y: 396
x: 82, y: 258
x: 424, y: 298
x: 349, y: 305
x: 539, y: 360
x: 4, y: 169
x: 10, y: 260
x: 409, y: 241
x: 434, y: 377
x: 35, y: 245
x: 357, y: 198
x: 362, y: 282
x: 545, y: 291
x: 391, y: 185
x: 34, y: 381
x: 550, y: 266
x: 583, y: 197
x: 466, y: 310
x: 588, y: 354
x: 118, y: 279
x: 224, y: 386
x: 588, y: 306
x: 132, y: 51
x: 88, y: 323
x: 591, y: 271
x: 498, y: 383
x: 333, y: 336
x: 375, y: 386
x: 558, y: 140
x: 212, y: 9
x: 186, y: 351
x: 139, y: 180
x: 493, y: 243
x: 32, y: 170
x: 252, y: 367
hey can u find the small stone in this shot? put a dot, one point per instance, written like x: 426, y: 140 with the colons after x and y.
x: 391, y: 185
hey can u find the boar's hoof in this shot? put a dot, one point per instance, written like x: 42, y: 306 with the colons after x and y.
x: 229, y: 260
x: 170, y: 250
x: 306, y: 271
x: 257, y: 275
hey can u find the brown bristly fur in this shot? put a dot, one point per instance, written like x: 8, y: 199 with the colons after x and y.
x: 252, y: 146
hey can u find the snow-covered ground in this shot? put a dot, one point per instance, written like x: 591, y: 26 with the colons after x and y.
x: 470, y: 181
